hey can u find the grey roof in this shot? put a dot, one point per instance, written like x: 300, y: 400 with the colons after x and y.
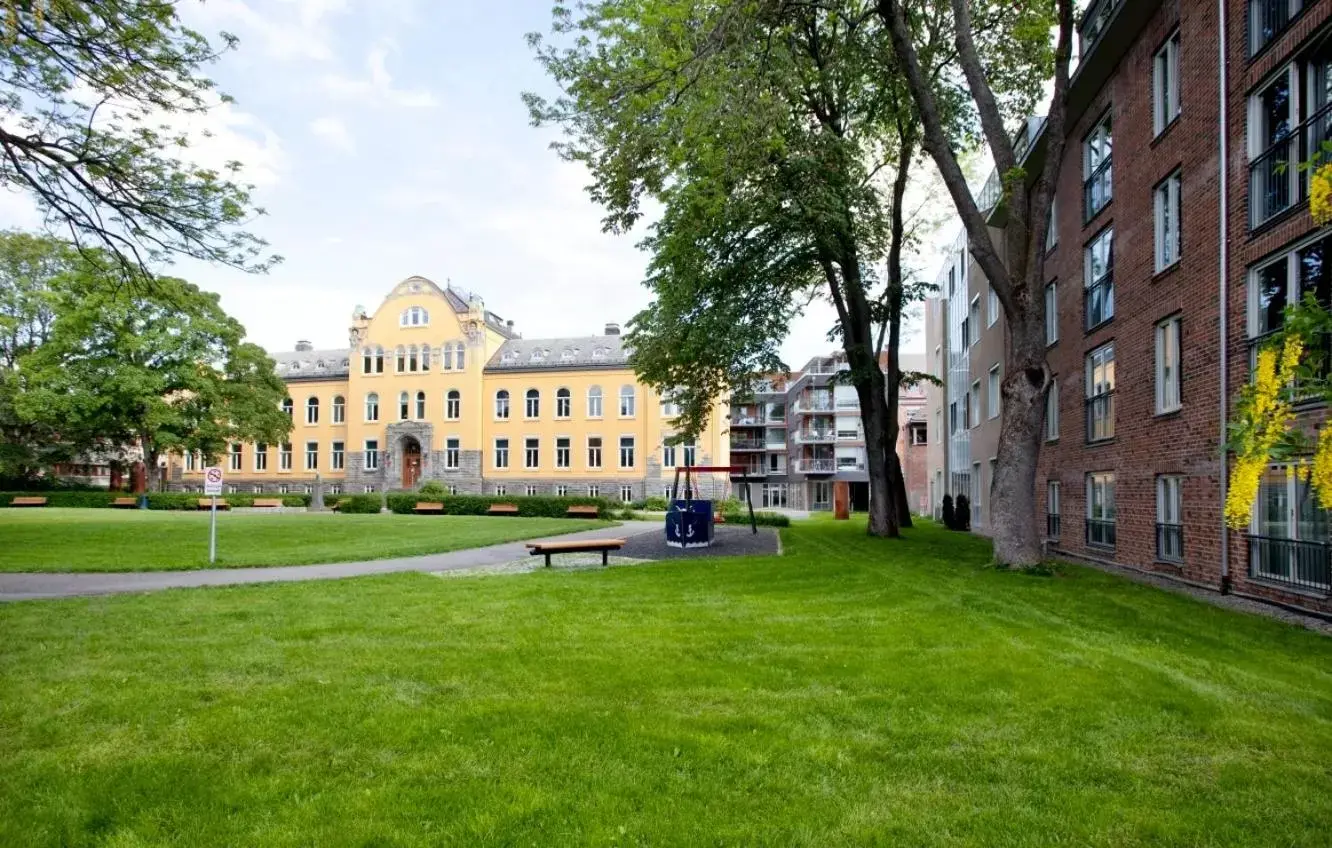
x: 296, y: 365
x: 580, y: 352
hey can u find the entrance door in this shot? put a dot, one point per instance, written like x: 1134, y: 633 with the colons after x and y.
x: 411, y: 462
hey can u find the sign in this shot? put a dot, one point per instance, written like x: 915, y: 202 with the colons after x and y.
x: 213, y: 481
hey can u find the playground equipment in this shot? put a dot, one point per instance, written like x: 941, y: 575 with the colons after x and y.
x: 689, y: 520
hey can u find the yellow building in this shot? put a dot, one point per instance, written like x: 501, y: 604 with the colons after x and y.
x: 434, y: 387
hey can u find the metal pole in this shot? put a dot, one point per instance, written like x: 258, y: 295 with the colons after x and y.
x: 212, y: 533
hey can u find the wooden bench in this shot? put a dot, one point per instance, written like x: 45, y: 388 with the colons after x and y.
x: 547, y: 548
x: 207, y: 503
x: 583, y: 512
x: 429, y: 508
x: 503, y: 509
x: 266, y: 503
x: 28, y: 502
x: 125, y: 503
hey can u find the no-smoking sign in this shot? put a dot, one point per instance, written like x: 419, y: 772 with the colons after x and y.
x: 213, y: 481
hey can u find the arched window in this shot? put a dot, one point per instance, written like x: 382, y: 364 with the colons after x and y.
x: 287, y: 406
x: 372, y: 407
x: 458, y: 356
x: 413, y: 358
x: 563, y: 403
x: 446, y: 357
x: 401, y: 354
x: 626, y: 401
x: 594, y: 402
x: 502, y: 403
x: 425, y: 357
x: 453, y: 405
x: 420, y: 406
x: 312, y: 410
x: 403, y: 403
x: 532, y: 409
x: 367, y: 361
x: 379, y: 359
x: 416, y: 316
x: 339, y: 410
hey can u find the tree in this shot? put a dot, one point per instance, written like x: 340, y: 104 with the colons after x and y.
x: 162, y: 366
x: 990, y: 61
x: 766, y: 132
x: 88, y: 89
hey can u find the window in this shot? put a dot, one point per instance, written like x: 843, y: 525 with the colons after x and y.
x: 966, y: 333
x: 400, y: 359
x: 284, y: 456
x: 1099, y: 276
x: 1096, y: 180
x: 1288, y: 279
x: 1052, y: 412
x: 287, y: 406
x: 372, y: 360
x: 420, y: 406
x: 446, y: 357
x: 371, y: 454
x: 593, y: 451
x: 1165, y: 85
x: 992, y: 396
x: 626, y: 494
x: 339, y: 410
x: 1289, y: 537
x: 312, y: 410
x: 234, y: 457
x: 668, y: 456
x: 918, y: 434
x: 372, y: 407
x: 412, y: 358
x: 1287, y: 125
x: 952, y: 417
x: 975, y: 319
x: 562, y: 452
x: 626, y: 401
x: 501, y: 490
x: 1167, y: 222
x: 1167, y: 366
x: 311, y: 456
x: 1051, y: 313
x: 1101, y: 393
x: 1169, y: 518
x: 626, y: 451
x: 1052, y: 518
x: 1052, y: 225
x: 991, y: 307
x: 532, y: 406
x: 261, y: 457
x: 416, y: 316
x: 563, y: 403
x: 1268, y: 19
x: 1101, y: 510
x: 973, y: 405
x: 594, y: 402
x: 337, y: 458
x: 501, y: 453
x: 561, y: 490
x: 453, y: 405
x: 404, y: 406
x: 425, y: 357
x: 502, y: 403
x: 452, y: 454
x: 688, y: 450
x: 532, y: 452
x: 458, y: 353
x: 593, y: 490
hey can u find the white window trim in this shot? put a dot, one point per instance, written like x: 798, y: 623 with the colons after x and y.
x: 1052, y: 313
x: 619, y: 451
x: 991, y: 307
x: 1163, y: 404
x: 993, y: 383
x: 556, y: 456
x: 587, y: 450
x: 1052, y: 412
x: 1166, y: 206
x: 508, y: 453
x: 458, y: 464
x: 526, y: 448
x: 1166, y: 109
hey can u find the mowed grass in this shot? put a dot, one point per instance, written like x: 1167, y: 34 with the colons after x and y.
x: 851, y: 692
x: 147, y: 540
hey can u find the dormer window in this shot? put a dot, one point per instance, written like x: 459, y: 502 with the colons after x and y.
x: 294, y: 366
x: 538, y: 354
x: 416, y: 316
x: 599, y: 353
x: 510, y: 355
x: 567, y: 354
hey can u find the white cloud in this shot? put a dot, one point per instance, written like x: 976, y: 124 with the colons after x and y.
x: 334, y: 132
x: 289, y: 29
x: 378, y: 86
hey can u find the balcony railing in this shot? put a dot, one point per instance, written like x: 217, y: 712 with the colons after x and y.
x: 816, y: 466
x: 1170, y: 542
x: 1276, y: 182
x: 1100, y: 533
x: 1099, y: 301
x: 814, y: 404
x: 814, y: 434
x: 1052, y: 525
x: 1291, y: 561
x: 1101, y: 417
x: 751, y: 471
x: 742, y: 444
x: 746, y: 421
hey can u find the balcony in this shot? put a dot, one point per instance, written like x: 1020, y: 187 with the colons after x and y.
x: 745, y: 444
x: 1296, y: 563
x: 1276, y: 182
x: 814, y: 435
x: 750, y: 471
x: 814, y: 404
x: 816, y: 466
x: 746, y: 420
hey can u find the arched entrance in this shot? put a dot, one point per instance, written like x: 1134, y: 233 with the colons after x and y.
x: 411, y: 461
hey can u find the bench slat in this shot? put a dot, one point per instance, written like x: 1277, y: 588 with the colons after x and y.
x: 28, y: 502
x: 566, y: 547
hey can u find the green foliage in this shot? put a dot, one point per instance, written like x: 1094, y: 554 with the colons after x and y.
x: 762, y: 519
x: 656, y: 503
x: 432, y: 490
x: 360, y: 505
x: 156, y: 500
x: 531, y: 507
x: 89, y: 93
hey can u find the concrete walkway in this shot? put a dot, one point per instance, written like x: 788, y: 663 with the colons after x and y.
x: 26, y: 586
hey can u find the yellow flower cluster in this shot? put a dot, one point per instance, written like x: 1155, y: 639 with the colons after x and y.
x: 1266, y: 412
x: 1321, y: 474
x: 1320, y: 194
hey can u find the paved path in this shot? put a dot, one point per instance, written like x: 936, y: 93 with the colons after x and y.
x: 24, y: 586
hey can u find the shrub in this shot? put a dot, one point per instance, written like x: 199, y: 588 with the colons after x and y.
x: 360, y: 504
x: 536, y: 506
x: 101, y: 498
x: 433, y: 490
x: 65, y: 497
x: 655, y: 504
x: 762, y: 519
x: 949, y: 517
x: 962, y: 513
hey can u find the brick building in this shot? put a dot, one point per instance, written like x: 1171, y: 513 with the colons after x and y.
x: 1180, y: 230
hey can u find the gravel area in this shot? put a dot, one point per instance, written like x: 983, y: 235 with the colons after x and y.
x: 727, y: 540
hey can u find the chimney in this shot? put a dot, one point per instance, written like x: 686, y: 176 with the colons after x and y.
x: 304, y: 345
x: 612, y: 329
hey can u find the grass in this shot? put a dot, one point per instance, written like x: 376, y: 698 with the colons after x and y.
x: 146, y: 540
x: 851, y: 692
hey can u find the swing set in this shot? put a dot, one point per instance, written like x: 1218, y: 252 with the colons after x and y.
x: 684, y: 519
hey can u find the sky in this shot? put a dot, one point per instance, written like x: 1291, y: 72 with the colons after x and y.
x: 388, y: 138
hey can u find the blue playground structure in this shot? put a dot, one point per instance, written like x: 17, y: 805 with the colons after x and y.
x: 689, y: 521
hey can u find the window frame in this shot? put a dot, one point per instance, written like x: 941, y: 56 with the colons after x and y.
x: 993, y: 392
x: 500, y: 455
x: 1052, y: 313
x: 503, y: 405
x: 452, y: 453
x: 1165, y: 75
x: 1168, y: 339
x: 311, y: 456
x: 1104, y: 283
x: 564, y: 452
x: 371, y: 407
x: 337, y: 455
x: 531, y: 453
x: 1107, y: 486
x: 452, y: 405
x: 339, y: 409
x: 599, y: 448
x: 1167, y: 242
x: 594, y: 393
x: 1052, y: 411
x: 1100, y: 395
x: 371, y: 454
x: 1095, y: 171
x: 629, y: 393
x: 1169, y: 516
x: 531, y: 404
x: 631, y: 447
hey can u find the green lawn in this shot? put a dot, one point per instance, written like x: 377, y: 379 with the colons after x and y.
x: 851, y: 692
x: 146, y: 540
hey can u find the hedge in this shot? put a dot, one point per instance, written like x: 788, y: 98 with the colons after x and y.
x: 535, y: 506
x: 762, y: 519
x: 156, y: 500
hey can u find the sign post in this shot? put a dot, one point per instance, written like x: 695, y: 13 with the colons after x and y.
x: 212, y: 488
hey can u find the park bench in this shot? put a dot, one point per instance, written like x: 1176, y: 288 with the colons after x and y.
x: 503, y: 509
x: 207, y: 503
x: 28, y: 502
x: 125, y: 503
x: 547, y: 548
x: 429, y: 508
x: 583, y: 512
x: 267, y: 503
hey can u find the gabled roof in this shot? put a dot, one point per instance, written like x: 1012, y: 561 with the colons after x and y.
x: 579, y: 352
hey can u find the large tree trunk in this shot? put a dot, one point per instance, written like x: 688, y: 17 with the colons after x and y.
x: 1013, y: 490
x: 897, y: 481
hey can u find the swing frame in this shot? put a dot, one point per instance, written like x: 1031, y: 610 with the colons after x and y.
x: 733, y: 470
